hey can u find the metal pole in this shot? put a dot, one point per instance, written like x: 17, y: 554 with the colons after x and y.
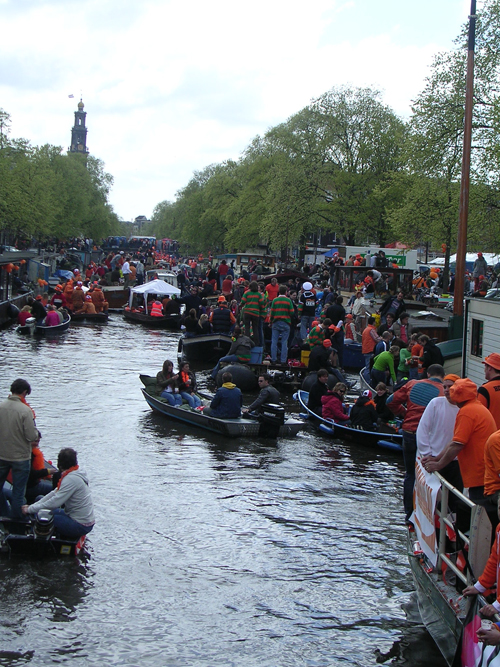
x: 458, y: 303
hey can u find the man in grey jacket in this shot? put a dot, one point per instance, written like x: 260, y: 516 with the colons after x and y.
x: 17, y: 432
x: 77, y: 517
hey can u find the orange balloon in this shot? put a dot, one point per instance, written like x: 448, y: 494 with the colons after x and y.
x: 23, y: 261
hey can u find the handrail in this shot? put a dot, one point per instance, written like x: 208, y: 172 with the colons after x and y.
x: 446, y: 487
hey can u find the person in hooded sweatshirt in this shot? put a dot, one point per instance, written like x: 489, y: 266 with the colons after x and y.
x: 226, y: 404
x: 363, y: 413
x: 72, y: 491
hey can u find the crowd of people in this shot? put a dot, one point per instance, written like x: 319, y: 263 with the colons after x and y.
x: 28, y: 483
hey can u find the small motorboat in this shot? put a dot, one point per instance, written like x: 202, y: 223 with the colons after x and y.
x: 36, y: 537
x: 206, y: 347
x: 28, y: 328
x: 44, y: 330
x: 90, y: 318
x: 230, y: 428
x: 390, y: 440
x: 164, y: 322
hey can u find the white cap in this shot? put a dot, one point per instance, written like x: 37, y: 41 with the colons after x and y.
x: 307, y: 286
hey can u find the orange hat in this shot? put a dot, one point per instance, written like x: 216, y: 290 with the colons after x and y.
x: 493, y: 360
x: 463, y: 390
x: 481, y: 277
x: 452, y: 377
x: 348, y: 316
x: 221, y: 300
x: 327, y: 342
x: 39, y: 297
x: 58, y: 288
x: 479, y: 254
x: 315, y: 323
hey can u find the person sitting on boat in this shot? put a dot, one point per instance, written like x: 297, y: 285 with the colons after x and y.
x: 221, y: 318
x: 98, y: 299
x: 401, y: 328
x: 171, y: 306
x: 380, y: 399
x: 167, y: 385
x: 156, y: 309
x: 23, y: 315
x: 333, y: 404
x: 268, y: 394
x: 88, y: 307
x: 190, y: 324
x: 78, y: 296
x: 52, y: 318
x: 317, y: 391
x: 226, y: 404
x: 363, y: 413
x: 58, y: 298
x: 383, y: 365
x: 72, y: 491
x: 325, y: 356
x: 187, y: 385
x: 482, y: 288
x: 239, y: 351
x: 204, y: 324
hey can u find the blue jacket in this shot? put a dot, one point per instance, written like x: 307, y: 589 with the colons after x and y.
x: 226, y: 403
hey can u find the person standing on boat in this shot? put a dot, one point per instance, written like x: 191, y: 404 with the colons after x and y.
x: 480, y: 268
x: 489, y: 393
x: 17, y: 432
x: 369, y: 340
x: 435, y: 430
x: 221, y: 318
x: 487, y: 581
x: 473, y: 427
x: 282, y: 312
x: 226, y: 404
x: 394, y: 305
x: 416, y: 395
x: 268, y: 394
x: 383, y: 364
x: 77, y: 517
x: 253, y: 308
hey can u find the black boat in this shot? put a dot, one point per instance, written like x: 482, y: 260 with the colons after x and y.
x: 231, y: 428
x: 206, y: 347
x: 390, y: 440
x: 42, y: 329
x: 163, y: 322
x: 36, y: 537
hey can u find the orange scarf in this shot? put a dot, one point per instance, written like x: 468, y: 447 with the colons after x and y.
x: 66, y: 472
x: 23, y: 400
x: 185, y: 378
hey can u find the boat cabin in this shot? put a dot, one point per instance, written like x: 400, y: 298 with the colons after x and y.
x: 481, y: 335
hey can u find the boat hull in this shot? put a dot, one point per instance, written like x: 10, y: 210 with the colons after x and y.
x: 19, y: 539
x: 93, y: 318
x: 209, y: 347
x: 391, y: 441
x: 165, y: 322
x: 230, y: 428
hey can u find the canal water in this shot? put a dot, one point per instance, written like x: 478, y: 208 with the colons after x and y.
x: 207, y: 551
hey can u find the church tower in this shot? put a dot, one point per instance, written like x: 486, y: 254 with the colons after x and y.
x: 79, y: 132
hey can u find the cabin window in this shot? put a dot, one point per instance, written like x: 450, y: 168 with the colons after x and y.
x: 477, y: 338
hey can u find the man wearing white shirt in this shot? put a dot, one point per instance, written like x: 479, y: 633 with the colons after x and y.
x: 126, y: 271
x: 435, y: 432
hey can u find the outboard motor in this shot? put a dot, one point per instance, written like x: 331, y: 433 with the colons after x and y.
x: 271, y: 418
x: 44, y: 525
x: 31, y: 323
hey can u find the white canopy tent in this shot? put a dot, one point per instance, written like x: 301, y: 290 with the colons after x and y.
x: 159, y: 287
x: 491, y: 259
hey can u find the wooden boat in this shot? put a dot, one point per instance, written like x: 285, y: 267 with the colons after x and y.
x: 35, y: 538
x: 207, y: 347
x: 393, y: 441
x: 230, y: 428
x: 164, y: 322
x: 94, y: 318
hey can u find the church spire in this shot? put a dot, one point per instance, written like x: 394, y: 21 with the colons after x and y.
x: 79, y: 131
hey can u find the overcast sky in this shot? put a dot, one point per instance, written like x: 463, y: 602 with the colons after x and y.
x: 170, y: 87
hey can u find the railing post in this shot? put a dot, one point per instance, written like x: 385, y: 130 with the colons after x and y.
x: 443, y: 513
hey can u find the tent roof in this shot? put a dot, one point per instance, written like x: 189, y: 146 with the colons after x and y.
x: 490, y: 257
x: 156, y: 287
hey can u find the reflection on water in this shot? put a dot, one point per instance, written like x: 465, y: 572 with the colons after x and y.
x: 207, y: 551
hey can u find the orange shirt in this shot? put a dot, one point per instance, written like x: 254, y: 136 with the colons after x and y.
x: 473, y: 427
x: 492, y: 464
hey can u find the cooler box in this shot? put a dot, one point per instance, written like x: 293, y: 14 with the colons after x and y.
x: 304, y: 357
x: 353, y: 357
x: 256, y: 355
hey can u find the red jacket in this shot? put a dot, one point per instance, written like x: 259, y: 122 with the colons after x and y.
x: 333, y: 408
x: 416, y: 394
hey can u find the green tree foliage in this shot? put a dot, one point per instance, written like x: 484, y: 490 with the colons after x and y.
x: 46, y: 193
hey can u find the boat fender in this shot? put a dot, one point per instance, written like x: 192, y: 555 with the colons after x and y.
x: 326, y: 429
x: 243, y: 377
x: 387, y: 444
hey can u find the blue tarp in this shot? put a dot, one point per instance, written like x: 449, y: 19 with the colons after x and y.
x: 331, y: 252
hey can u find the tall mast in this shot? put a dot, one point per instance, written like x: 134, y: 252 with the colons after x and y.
x: 458, y: 303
